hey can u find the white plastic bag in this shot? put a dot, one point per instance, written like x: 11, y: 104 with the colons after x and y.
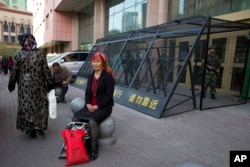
x: 52, y: 104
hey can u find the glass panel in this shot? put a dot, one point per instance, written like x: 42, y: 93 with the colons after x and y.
x: 117, y: 8
x: 6, y: 38
x: 181, y: 8
x: 13, y: 39
x: 86, y: 27
x: 238, y: 5
x: 129, y: 3
x: 126, y: 16
x: 241, y: 49
x: 5, y: 27
x: 21, y: 29
x: 13, y: 28
x: 186, y: 8
x: 115, y: 24
x: 212, y: 7
x: 200, y: 51
x: 129, y: 20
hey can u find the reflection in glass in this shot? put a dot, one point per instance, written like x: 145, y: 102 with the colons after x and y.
x: 238, y: 5
x: 186, y: 8
x: 126, y: 16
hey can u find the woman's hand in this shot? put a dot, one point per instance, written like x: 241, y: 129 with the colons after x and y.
x: 92, y: 108
x: 89, y: 107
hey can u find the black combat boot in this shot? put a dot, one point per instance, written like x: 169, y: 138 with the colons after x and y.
x: 94, y: 151
x: 213, y: 97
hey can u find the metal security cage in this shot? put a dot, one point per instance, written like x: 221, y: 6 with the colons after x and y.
x: 158, y: 69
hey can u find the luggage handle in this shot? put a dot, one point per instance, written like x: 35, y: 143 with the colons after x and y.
x: 77, y: 125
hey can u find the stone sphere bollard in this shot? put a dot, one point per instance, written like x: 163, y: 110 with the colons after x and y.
x: 77, y: 104
x: 106, y: 128
x: 106, y: 131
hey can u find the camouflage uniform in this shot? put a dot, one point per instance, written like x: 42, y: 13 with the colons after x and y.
x: 212, y: 68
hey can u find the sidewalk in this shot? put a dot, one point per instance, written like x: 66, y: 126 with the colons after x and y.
x: 192, y: 139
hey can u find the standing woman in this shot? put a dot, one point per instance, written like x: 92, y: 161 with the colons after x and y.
x: 98, y: 98
x: 31, y: 73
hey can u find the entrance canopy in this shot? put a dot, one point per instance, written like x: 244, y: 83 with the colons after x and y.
x: 159, y: 72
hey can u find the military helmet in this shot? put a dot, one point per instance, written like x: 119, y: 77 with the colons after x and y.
x: 212, y: 47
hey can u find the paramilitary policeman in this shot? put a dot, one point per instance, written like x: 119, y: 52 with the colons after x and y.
x: 212, y: 69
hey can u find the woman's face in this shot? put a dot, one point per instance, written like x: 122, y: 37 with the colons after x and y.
x: 26, y: 43
x: 97, y: 64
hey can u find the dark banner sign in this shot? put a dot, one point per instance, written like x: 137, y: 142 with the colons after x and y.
x: 141, y: 101
x: 80, y: 83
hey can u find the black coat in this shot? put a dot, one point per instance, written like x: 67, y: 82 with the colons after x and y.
x: 104, y: 93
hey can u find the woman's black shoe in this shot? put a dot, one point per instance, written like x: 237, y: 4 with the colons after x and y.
x: 40, y: 133
x: 32, y: 134
x: 93, y: 156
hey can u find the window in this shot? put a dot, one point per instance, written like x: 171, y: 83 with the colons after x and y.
x: 238, y: 5
x: 5, y: 27
x: 13, y: 28
x: 237, y: 79
x: 183, y: 79
x: 6, y: 38
x: 220, y: 44
x: 13, y: 38
x: 187, y: 8
x: 82, y: 56
x: 200, y: 51
x: 240, y: 49
x: 183, y: 50
x: 28, y: 29
x: 47, y: 22
x: 21, y: 29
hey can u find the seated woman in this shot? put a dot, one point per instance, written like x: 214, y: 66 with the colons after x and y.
x: 98, y: 99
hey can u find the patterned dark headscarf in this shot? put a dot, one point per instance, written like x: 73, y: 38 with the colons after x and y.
x: 27, y: 41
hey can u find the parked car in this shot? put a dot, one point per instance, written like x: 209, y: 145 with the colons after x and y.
x: 73, y: 60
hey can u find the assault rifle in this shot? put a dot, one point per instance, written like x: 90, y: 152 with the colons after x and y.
x: 210, y: 67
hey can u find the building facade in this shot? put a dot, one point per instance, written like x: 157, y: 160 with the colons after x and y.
x: 13, y: 23
x: 63, y: 25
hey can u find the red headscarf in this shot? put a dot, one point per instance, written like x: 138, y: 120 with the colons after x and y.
x: 104, y: 59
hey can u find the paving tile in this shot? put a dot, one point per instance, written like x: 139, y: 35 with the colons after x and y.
x: 195, y: 138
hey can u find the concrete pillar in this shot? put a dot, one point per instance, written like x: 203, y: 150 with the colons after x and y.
x: 157, y: 12
x: 99, y: 19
